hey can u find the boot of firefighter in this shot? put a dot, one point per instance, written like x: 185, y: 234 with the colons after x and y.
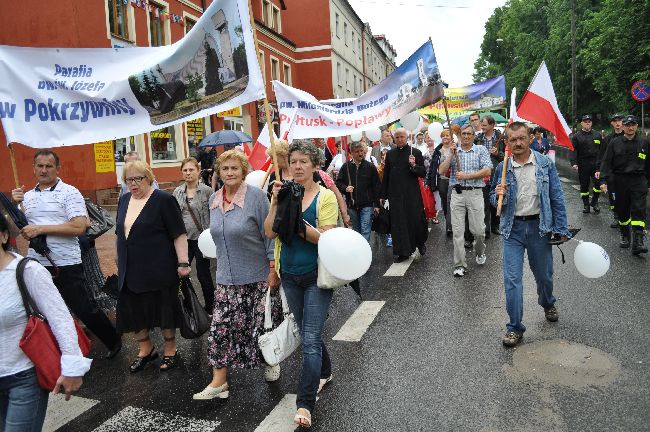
x: 614, y: 223
x: 625, y: 236
x: 637, y: 241
x: 594, y: 202
x: 585, y: 203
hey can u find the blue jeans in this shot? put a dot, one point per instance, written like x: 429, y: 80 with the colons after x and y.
x: 362, y: 221
x: 22, y: 403
x: 309, y: 305
x: 525, y: 235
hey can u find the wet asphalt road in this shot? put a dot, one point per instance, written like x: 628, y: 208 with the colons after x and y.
x: 432, y: 359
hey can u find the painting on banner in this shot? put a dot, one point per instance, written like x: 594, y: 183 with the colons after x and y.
x: 69, y: 96
x: 461, y: 101
x: 414, y: 84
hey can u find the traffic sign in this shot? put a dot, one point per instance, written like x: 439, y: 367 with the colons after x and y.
x: 641, y: 90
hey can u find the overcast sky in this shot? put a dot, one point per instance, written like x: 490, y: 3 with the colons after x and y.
x: 456, y: 30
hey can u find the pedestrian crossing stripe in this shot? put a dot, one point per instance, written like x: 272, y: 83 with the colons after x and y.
x: 138, y: 419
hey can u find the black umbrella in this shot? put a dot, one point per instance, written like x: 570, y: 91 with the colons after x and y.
x: 38, y: 243
x: 224, y: 137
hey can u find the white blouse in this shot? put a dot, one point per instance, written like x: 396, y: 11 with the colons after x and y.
x: 13, y: 320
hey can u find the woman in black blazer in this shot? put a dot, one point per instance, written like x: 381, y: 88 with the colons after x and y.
x: 151, y: 256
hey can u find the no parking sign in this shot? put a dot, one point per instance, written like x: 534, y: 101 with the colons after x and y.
x: 641, y: 90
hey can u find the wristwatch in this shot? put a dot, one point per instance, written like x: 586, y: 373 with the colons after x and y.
x: 183, y: 264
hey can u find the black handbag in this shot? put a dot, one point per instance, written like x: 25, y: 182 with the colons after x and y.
x: 288, y: 217
x: 100, y: 220
x: 381, y: 222
x: 194, y: 319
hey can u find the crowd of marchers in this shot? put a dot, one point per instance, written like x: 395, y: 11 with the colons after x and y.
x: 476, y: 181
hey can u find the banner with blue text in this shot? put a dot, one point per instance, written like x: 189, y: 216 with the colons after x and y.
x: 52, y: 97
x: 414, y: 84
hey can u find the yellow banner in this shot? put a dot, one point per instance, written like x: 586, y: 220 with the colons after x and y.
x: 235, y: 112
x: 104, y: 157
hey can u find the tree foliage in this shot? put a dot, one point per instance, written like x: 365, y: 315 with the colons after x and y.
x: 612, y: 50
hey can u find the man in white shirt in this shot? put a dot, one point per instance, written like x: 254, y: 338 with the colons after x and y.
x: 57, y: 210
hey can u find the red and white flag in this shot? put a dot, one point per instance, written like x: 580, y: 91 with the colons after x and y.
x: 513, y: 106
x: 539, y: 105
x: 257, y: 158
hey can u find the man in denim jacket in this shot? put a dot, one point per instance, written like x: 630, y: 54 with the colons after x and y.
x: 533, y: 209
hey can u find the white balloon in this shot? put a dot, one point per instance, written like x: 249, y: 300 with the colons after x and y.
x: 410, y: 121
x: 591, y: 260
x: 373, y: 134
x: 254, y: 178
x: 344, y: 253
x: 206, y: 244
x: 434, y: 131
x: 356, y: 136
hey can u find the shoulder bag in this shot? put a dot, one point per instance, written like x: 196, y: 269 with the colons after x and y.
x: 38, y: 342
x: 100, y: 220
x: 198, y: 224
x: 194, y: 319
x: 277, y: 344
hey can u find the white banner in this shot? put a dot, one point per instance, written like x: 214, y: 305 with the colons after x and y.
x: 51, y: 97
x: 414, y: 84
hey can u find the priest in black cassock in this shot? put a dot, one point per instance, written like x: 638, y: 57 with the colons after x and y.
x: 408, y: 225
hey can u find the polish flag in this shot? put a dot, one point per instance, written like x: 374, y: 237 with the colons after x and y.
x: 513, y: 106
x: 258, y: 158
x: 539, y: 105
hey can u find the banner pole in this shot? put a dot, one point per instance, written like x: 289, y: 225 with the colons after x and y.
x: 267, y: 111
x: 444, y: 102
x: 266, y: 176
x: 12, y: 157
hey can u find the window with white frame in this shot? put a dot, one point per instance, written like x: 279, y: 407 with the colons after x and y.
x: 338, y: 35
x: 286, y: 77
x: 189, y: 23
x: 275, y: 68
x: 262, y: 66
x: 345, y: 33
x: 347, y: 79
x: 157, y: 25
x: 360, y: 86
x: 338, y: 74
x: 118, y: 18
x: 275, y: 19
x: 354, y: 80
x: 266, y: 12
x: 354, y: 43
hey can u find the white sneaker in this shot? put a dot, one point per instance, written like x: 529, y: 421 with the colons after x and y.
x: 272, y: 373
x: 480, y: 259
x: 459, y: 271
x: 210, y: 392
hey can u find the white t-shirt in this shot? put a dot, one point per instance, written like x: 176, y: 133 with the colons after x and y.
x: 55, y: 206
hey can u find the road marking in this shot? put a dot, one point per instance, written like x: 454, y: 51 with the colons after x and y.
x: 399, y: 269
x: 565, y: 180
x: 60, y: 412
x: 132, y: 419
x: 576, y: 187
x: 357, y: 325
x: 281, y: 418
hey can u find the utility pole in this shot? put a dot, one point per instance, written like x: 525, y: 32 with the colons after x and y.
x: 574, y: 94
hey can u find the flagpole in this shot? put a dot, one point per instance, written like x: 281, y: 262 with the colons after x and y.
x: 444, y: 102
x: 267, y: 111
x: 266, y: 176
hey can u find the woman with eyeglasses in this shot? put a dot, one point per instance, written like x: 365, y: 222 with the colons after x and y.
x: 152, y: 255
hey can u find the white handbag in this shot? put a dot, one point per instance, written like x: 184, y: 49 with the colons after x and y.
x: 327, y: 280
x: 278, y: 344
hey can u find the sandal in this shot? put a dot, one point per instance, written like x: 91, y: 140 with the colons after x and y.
x: 140, y: 362
x: 435, y: 220
x: 324, y: 382
x: 303, y: 418
x: 169, y: 362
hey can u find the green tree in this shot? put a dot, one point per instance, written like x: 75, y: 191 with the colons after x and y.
x: 193, y: 84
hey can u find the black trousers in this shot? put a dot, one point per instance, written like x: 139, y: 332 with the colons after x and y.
x: 611, y: 194
x: 71, y: 283
x: 586, y: 171
x: 445, y: 196
x: 202, y: 273
x: 631, y: 193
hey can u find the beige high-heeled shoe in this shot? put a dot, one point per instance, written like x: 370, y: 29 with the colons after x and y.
x: 221, y: 392
x: 303, y: 418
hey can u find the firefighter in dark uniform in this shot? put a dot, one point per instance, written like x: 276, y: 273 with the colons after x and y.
x: 586, y: 145
x: 627, y: 158
x: 617, y: 130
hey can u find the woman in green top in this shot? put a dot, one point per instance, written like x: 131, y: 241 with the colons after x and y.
x: 297, y: 264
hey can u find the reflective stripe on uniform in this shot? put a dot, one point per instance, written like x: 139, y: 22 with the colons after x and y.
x: 638, y: 223
x: 597, y: 190
x: 626, y: 223
x: 582, y: 194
